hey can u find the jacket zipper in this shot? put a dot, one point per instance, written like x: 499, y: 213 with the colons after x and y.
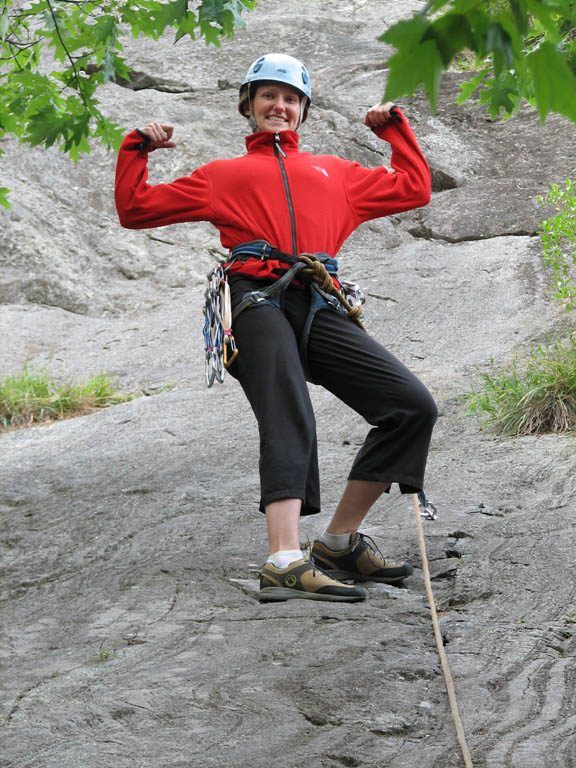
x: 279, y: 152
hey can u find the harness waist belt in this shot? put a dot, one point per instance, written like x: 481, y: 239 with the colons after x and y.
x: 261, y: 249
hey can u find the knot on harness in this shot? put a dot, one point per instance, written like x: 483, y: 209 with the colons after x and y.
x: 316, y: 270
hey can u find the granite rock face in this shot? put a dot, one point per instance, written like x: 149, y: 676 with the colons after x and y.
x: 131, y: 633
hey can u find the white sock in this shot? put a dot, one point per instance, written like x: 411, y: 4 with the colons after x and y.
x: 336, y: 541
x: 284, y: 557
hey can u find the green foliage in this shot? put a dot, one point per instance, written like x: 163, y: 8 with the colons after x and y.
x: 55, y: 54
x: 526, y: 50
x: 33, y: 397
x: 536, y: 396
x: 558, y: 238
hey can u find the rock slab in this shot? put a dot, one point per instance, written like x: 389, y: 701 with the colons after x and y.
x: 131, y: 540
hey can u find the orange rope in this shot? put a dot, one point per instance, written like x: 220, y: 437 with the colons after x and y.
x: 439, y: 643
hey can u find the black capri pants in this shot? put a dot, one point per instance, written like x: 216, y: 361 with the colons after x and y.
x: 348, y: 363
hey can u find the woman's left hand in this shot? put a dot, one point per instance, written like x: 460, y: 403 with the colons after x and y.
x: 379, y: 115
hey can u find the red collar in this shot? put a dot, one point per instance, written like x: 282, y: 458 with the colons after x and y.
x: 263, y: 141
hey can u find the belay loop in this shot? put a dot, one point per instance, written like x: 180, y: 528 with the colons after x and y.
x: 219, y: 344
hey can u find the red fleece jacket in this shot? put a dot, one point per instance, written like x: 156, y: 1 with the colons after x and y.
x: 245, y: 198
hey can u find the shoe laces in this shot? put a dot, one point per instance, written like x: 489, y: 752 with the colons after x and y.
x: 307, y: 549
x: 367, y: 542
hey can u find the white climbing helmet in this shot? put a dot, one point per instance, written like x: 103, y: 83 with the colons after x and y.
x: 277, y: 68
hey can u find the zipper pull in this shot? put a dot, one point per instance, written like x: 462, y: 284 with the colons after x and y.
x: 277, y: 147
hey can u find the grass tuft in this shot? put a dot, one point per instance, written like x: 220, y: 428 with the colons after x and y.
x: 558, y: 239
x: 534, y: 397
x: 34, y: 397
x: 467, y: 61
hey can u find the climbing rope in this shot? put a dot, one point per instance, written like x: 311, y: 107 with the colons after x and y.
x: 438, y: 636
x: 320, y: 275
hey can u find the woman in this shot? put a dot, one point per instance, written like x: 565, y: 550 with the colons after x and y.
x: 293, y: 203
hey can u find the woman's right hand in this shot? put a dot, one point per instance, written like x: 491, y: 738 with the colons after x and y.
x: 160, y: 135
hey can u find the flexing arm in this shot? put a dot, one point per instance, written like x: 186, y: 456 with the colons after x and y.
x: 381, y: 114
x: 158, y: 136
x: 141, y: 205
x: 376, y: 192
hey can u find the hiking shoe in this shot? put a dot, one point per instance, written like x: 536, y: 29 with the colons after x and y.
x: 360, y: 561
x: 303, y: 579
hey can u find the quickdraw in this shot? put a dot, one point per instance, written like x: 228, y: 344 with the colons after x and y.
x: 219, y: 343
x: 428, y: 510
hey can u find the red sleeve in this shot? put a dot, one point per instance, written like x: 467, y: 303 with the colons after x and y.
x: 377, y: 192
x: 141, y: 205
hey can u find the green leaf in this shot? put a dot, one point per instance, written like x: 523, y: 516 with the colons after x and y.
x: 235, y: 8
x: 4, y: 23
x: 219, y: 18
x: 210, y: 33
x: 503, y: 95
x: 464, y: 6
x: 469, y: 87
x: 45, y: 126
x: 422, y: 65
x: 554, y: 82
x: 77, y: 142
x: 452, y: 33
x: 498, y: 41
x: 187, y: 26
x: 407, y: 33
x: 211, y: 10
x: 151, y: 18
x: 109, y: 61
x: 521, y: 16
x: 168, y: 14
x: 3, y: 197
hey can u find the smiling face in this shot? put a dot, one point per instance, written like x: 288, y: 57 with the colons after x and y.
x: 276, y: 107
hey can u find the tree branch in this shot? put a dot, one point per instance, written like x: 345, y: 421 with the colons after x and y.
x: 68, y: 55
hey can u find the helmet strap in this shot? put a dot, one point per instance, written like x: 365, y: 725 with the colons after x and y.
x: 303, y: 103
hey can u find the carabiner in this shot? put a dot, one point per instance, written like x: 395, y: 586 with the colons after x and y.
x: 209, y: 371
x: 428, y: 509
x: 229, y: 342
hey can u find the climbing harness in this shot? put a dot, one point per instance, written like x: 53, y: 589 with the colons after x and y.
x: 317, y: 269
x: 219, y: 342
x: 437, y: 633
